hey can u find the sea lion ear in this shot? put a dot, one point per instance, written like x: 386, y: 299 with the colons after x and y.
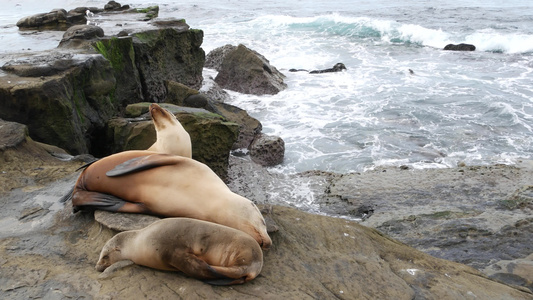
x: 117, y: 248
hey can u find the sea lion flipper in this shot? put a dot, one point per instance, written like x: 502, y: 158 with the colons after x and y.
x: 85, y: 200
x: 142, y: 163
x: 196, y: 267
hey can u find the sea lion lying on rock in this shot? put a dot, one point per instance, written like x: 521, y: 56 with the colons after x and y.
x: 165, y: 185
x: 211, y: 252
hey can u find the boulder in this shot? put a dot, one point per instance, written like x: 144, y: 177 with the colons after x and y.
x: 120, y: 53
x: 249, y: 127
x: 213, y: 91
x: 79, y: 36
x: 246, y: 71
x: 27, y: 164
x: 56, y: 19
x: 215, y: 57
x: 267, y: 150
x: 61, y: 97
x: 178, y: 92
x: 168, y: 54
x: 112, y: 5
x: 460, y: 47
x: 212, y: 137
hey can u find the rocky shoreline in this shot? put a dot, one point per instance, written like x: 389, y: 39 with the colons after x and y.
x: 390, y: 233
x: 48, y: 252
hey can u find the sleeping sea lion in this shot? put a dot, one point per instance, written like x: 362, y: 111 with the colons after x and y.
x: 165, y: 185
x: 211, y: 252
x: 172, y: 138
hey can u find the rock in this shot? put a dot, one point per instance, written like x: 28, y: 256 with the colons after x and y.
x: 61, y: 97
x: 56, y: 19
x: 211, y: 135
x: 213, y: 91
x: 79, y: 34
x: 123, y: 221
x: 216, y: 56
x: 152, y: 12
x: 178, y: 24
x: 460, y: 47
x: 178, y: 92
x: 83, y: 89
x: 120, y: 53
x: 168, y: 55
x: 338, y: 67
x: 27, y: 164
x: 517, y: 272
x: 198, y: 101
x: 249, y: 127
x: 267, y: 150
x: 112, y: 5
x: 246, y: 71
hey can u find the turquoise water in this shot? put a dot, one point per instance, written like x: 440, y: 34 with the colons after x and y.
x: 472, y: 107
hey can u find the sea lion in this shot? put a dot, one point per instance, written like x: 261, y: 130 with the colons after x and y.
x: 165, y: 185
x: 211, y: 252
x: 172, y: 138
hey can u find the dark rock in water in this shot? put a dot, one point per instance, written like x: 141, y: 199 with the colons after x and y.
x: 338, y: 67
x: 267, y: 150
x: 55, y: 20
x: 460, y: 47
x: 215, y: 57
x: 112, y: 5
x: 246, y: 71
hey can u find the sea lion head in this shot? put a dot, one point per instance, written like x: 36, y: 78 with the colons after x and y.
x: 258, y: 225
x: 162, y: 118
x: 111, y: 253
x: 172, y: 138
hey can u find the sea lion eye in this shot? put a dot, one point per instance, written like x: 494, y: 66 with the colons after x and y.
x: 105, y: 257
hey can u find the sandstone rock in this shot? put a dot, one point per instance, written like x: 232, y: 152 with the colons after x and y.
x: 517, y: 272
x: 246, y: 71
x: 55, y: 19
x: 216, y: 56
x: 267, y: 150
x: 80, y: 34
x: 249, y: 127
x: 460, y: 47
x: 178, y: 92
x: 168, y: 54
x: 27, y: 164
x: 120, y: 53
x: 63, y: 101
x: 123, y: 221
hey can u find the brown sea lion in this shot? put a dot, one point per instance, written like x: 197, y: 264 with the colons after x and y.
x: 211, y: 252
x: 165, y: 185
x: 172, y: 138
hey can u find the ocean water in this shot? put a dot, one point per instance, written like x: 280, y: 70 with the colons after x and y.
x: 472, y: 107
